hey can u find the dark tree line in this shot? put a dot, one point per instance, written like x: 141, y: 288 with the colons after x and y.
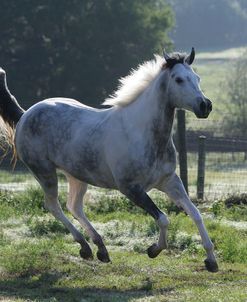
x: 77, y: 48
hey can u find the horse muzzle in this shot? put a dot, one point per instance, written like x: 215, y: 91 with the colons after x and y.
x: 203, y: 107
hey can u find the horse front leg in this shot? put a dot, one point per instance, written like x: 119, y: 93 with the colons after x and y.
x: 174, y: 188
x: 141, y: 199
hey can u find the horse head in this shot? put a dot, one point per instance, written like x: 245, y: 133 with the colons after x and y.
x: 183, y: 85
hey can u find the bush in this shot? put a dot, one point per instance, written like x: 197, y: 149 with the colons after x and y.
x: 234, y: 207
x: 236, y: 86
x: 236, y: 200
x: 43, y: 227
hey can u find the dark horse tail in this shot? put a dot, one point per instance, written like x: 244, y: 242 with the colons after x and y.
x: 11, y: 112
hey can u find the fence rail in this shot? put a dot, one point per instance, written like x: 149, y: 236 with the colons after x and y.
x: 217, y: 144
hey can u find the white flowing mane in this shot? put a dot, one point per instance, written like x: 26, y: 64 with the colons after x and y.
x: 131, y: 86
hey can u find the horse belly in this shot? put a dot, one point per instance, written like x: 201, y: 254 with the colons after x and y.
x: 85, y: 162
x: 102, y: 180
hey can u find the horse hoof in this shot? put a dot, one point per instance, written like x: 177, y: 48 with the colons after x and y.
x: 103, y: 257
x: 86, y: 253
x: 211, y: 266
x: 153, y: 251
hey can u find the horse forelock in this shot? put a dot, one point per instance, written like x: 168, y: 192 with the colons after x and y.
x: 131, y: 86
x: 175, y: 58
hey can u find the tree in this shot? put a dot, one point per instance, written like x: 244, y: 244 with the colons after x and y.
x: 78, y: 48
x: 235, y: 123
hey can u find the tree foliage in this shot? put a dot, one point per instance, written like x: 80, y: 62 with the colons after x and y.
x: 78, y: 48
x: 236, y: 86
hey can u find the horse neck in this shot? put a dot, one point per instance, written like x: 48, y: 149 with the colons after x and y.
x: 151, y: 116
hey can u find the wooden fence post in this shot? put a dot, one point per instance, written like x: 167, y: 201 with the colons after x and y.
x: 201, y: 166
x: 182, y: 147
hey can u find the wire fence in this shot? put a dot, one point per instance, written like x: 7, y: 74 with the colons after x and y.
x: 226, y: 158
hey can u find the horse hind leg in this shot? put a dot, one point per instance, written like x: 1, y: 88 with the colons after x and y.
x: 77, y: 190
x: 49, y: 183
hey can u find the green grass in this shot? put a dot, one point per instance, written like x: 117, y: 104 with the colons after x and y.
x: 40, y: 262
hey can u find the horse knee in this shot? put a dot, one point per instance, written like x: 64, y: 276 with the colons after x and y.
x: 163, y: 221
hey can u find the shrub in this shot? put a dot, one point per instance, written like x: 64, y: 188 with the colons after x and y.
x: 43, y: 227
x: 234, y: 207
x: 236, y: 200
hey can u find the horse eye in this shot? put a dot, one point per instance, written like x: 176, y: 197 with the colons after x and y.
x: 179, y: 80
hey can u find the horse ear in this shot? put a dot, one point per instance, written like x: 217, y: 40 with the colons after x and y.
x: 2, y: 78
x: 166, y: 56
x: 190, y: 58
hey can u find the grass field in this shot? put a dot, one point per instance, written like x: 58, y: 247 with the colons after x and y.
x: 213, y: 68
x: 40, y: 262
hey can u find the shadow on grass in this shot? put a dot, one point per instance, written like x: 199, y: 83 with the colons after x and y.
x: 46, y: 288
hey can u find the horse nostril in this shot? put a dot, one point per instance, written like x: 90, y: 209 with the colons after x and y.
x: 203, y: 107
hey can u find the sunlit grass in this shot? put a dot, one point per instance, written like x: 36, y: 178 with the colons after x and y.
x: 227, y: 54
x: 213, y: 69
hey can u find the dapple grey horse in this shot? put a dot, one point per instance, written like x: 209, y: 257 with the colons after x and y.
x: 127, y: 147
